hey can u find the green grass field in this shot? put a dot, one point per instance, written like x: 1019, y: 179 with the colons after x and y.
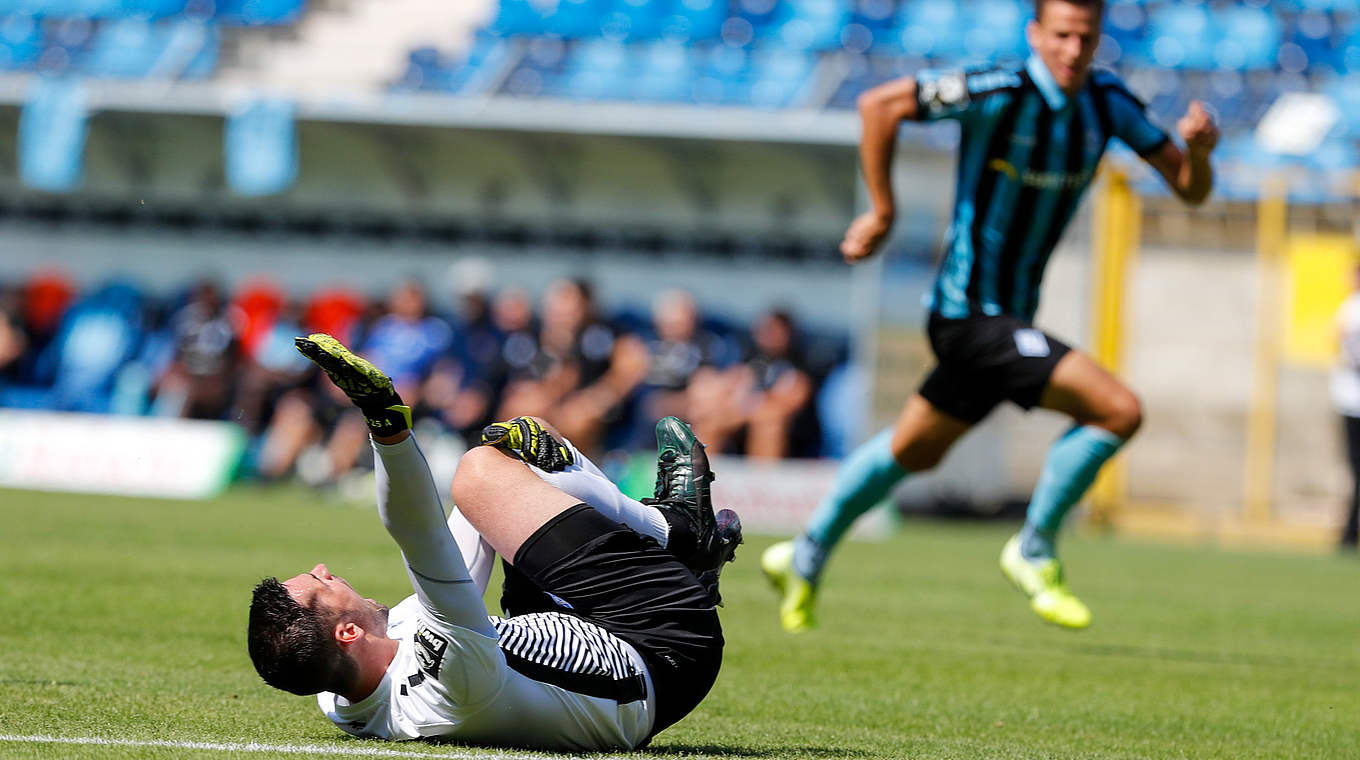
x: 124, y: 621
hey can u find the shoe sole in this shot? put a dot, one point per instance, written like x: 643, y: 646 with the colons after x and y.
x: 350, y: 372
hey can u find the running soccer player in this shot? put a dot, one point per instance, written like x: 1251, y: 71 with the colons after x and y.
x: 612, y: 638
x: 1032, y: 136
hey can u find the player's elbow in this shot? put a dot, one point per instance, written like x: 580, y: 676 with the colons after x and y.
x: 893, y: 101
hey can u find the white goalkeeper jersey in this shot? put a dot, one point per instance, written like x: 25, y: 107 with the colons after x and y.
x: 548, y: 680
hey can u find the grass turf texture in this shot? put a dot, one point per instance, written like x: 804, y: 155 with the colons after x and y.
x: 125, y: 618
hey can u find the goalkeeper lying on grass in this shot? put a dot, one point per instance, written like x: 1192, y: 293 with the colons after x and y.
x: 611, y: 633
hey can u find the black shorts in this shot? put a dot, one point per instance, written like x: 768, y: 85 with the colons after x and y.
x: 628, y: 585
x: 986, y: 360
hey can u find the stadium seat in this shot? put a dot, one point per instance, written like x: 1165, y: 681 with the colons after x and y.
x: 999, y: 31
x: 79, y: 369
x: 1248, y: 38
x: 931, y: 29
x: 1345, y: 94
x: 693, y: 21
x: 664, y: 71
x: 259, y: 302
x: 1181, y: 36
x: 517, y: 18
x: 779, y: 76
x: 805, y: 24
x: 258, y: 12
x: 476, y: 73
x: 576, y: 19
x: 21, y: 42
x: 635, y: 20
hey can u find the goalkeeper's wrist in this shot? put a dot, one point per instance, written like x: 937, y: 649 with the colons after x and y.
x: 389, y: 421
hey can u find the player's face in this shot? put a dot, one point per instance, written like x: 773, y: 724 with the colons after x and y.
x: 1065, y: 37
x: 335, y: 593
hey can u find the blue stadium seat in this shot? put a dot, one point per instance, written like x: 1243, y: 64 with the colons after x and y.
x: 576, y: 19
x: 596, y: 70
x: 1248, y: 38
x: 779, y: 77
x: 517, y: 18
x: 475, y: 74
x: 931, y: 29
x: 97, y: 337
x: 21, y: 42
x: 635, y: 20
x: 806, y: 24
x: 132, y: 48
x: 259, y: 12
x: 1312, y: 32
x: 664, y: 71
x: 695, y: 20
x: 1181, y: 36
x: 999, y: 31
x: 1345, y: 93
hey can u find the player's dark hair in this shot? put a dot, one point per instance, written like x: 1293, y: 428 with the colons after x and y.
x: 1096, y: 5
x: 291, y: 646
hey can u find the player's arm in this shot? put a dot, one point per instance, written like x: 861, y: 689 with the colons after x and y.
x: 881, y: 109
x: 1188, y: 173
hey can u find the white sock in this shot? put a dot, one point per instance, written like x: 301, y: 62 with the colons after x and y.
x: 583, y: 480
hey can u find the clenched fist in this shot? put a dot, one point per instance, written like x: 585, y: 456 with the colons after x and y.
x: 1197, y: 129
x: 865, y: 235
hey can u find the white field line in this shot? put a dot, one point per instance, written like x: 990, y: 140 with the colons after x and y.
x: 281, y: 749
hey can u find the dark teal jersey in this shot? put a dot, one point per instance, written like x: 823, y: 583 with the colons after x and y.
x: 1028, y: 152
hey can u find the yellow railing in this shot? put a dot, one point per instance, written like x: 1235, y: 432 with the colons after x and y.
x: 1116, y: 224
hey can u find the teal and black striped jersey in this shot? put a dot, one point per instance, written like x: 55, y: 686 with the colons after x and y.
x: 1028, y: 152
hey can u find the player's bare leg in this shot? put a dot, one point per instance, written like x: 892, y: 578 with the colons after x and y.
x: 916, y: 443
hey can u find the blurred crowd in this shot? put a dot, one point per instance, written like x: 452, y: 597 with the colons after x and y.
x: 603, y: 379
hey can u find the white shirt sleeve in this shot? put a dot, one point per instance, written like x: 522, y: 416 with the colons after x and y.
x: 409, y: 505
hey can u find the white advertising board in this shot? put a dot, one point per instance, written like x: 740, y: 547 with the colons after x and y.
x: 131, y: 456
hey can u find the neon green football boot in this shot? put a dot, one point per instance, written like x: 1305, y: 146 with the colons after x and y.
x: 1042, y: 582
x: 365, y: 384
x: 798, y: 597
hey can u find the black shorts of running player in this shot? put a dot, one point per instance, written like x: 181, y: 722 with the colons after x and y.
x: 628, y: 585
x: 985, y: 360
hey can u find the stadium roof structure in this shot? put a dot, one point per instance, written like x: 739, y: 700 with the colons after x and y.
x: 790, y: 126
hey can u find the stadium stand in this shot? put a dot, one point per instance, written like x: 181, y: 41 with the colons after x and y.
x: 203, y: 353
x: 1239, y: 56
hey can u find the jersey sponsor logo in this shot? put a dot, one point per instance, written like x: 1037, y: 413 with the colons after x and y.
x: 430, y: 650
x: 1031, y: 342
x: 993, y: 80
x: 1041, y: 180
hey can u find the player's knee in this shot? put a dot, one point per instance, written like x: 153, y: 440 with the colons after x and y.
x: 1125, y: 415
x: 475, y: 470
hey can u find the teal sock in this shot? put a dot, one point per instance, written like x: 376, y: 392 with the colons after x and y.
x: 862, y: 481
x: 1069, y: 470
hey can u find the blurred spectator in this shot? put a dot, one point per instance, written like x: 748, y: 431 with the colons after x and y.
x: 1346, y: 397
x: 13, y: 337
x: 46, y: 299
x: 680, y: 348
x: 406, y: 341
x: 461, y: 390
x: 201, y: 380
x: 763, y: 404
x: 258, y: 302
x: 217, y: 358
x: 272, y: 368
x: 582, y: 372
